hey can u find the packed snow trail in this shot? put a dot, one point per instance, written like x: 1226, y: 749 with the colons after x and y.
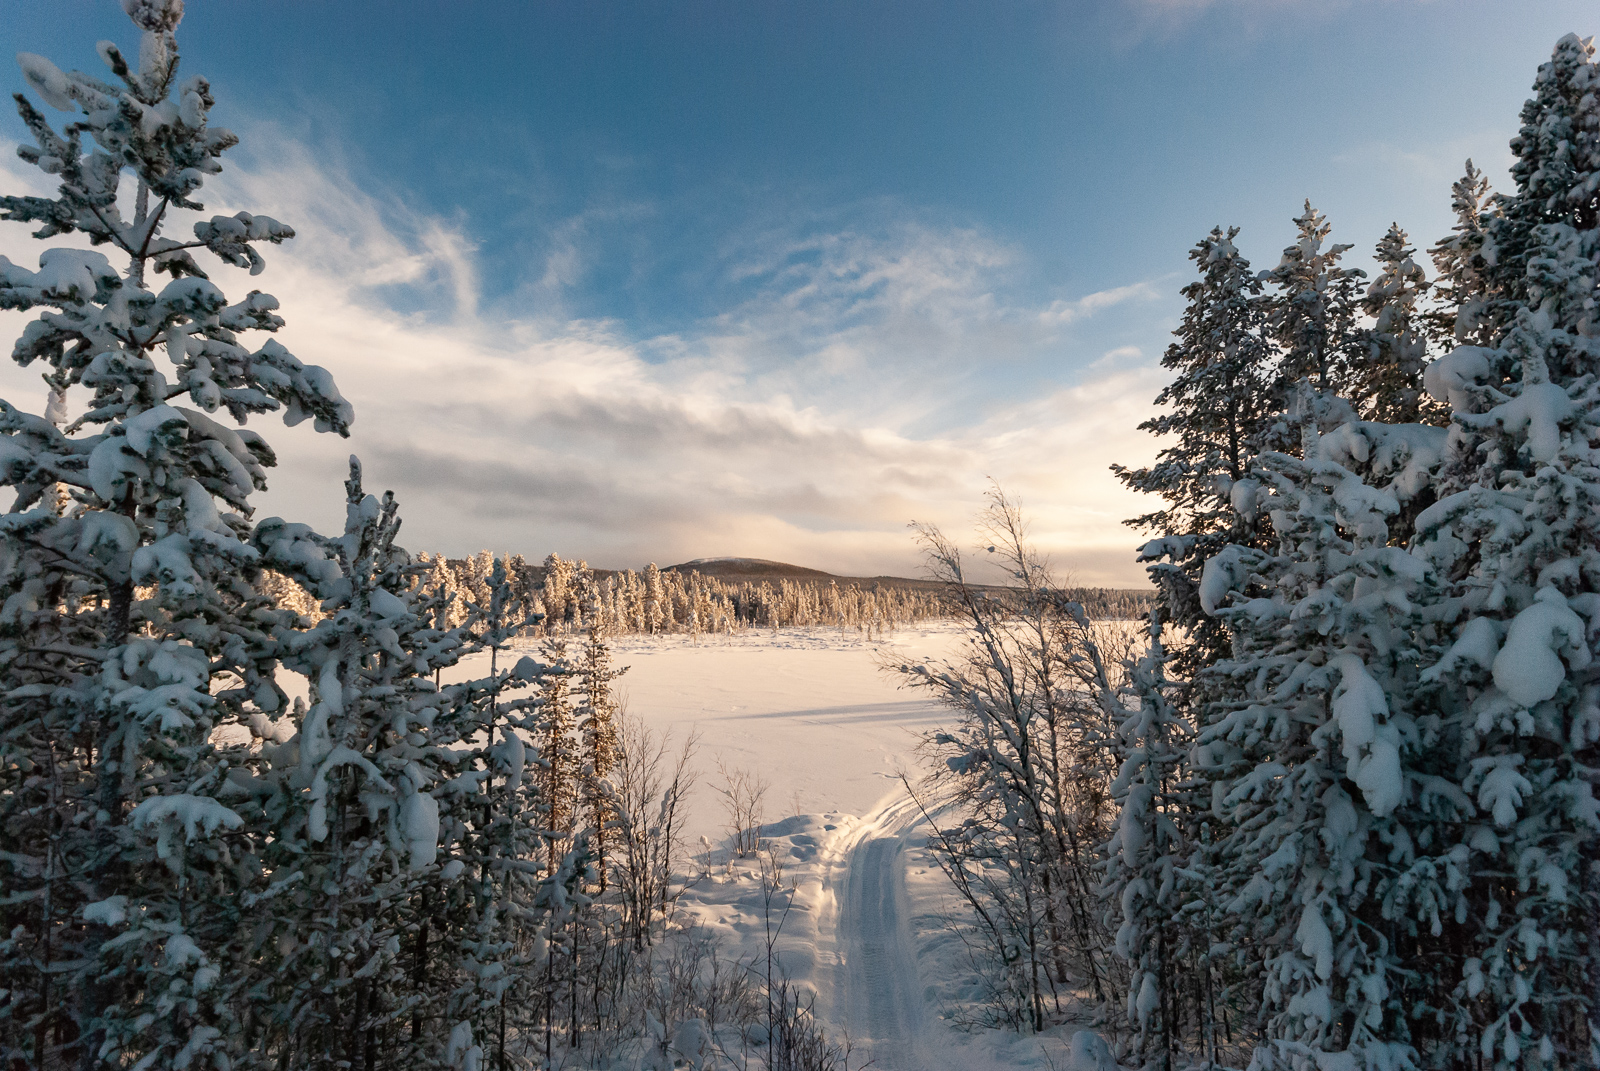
x: 884, y: 1006
x: 879, y: 991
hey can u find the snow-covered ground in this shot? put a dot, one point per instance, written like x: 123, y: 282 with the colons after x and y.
x: 869, y: 928
x: 809, y: 710
x: 869, y: 934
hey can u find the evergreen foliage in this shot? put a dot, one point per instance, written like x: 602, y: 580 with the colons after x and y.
x: 1335, y: 809
x: 1312, y: 313
x: 1386, y: 384
x: 1464, y: 294
x: 131, y: 630
x: 1387, y: 819
x: 1162, y: 915
x: 1219, y: 408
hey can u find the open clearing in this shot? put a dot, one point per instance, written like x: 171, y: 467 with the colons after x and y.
x: 868, y: 932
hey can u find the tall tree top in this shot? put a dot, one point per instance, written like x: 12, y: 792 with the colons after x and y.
x: 1463, y: 289
x: 1387, y: 384
x: 133, y: 157
x: 1556, y: 175
x: 1313, y: 315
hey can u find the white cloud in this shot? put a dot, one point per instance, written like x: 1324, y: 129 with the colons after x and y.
x: 1060, y: 313
x: 785, y: 428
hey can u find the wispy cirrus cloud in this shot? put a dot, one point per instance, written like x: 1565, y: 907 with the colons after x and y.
x: 1060, y: 312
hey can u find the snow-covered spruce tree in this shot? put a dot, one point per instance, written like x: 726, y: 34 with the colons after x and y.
x: 1557, y: 159
x: 1312, y: 317
x: 1220, y: 406
x: 1325, y: 781
x: 1161, y: 918
x: 1445, y: 914
x: 287, y: 595
x: 1516, y: 536
x: 1464, y: 296
x: 441, y: 578
x: 598, y: 722
x: 474, y: 576
x: 112, y: 699
x: 1386, y: 383
x: 346, y: 808
x: 509, y: 905
x: 560, y: 755
x: 558, y: 593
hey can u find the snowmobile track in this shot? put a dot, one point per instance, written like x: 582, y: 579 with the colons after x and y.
x: 882, y: 1002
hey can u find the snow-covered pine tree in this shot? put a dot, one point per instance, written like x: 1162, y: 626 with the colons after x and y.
x: 1149, y: 882
x: 287, y: 595
x: 441, y: 578
x: 474, y: 576
x: 655, y: 608
x: 346, y: 809
x: 1553, y: 173
x: 1443, y: 912
x: 632, y: 600
x: 498, y: 821
x: 1220, y: 405
x: 560, y: 758
x: 598, y: 722
x: 523, y: 580
x: 1386, y: 383
x: 557, y: 593
x: 113, y: 699
x: 1464, y: 296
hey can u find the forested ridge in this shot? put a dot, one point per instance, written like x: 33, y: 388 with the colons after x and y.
x: 569, y: 596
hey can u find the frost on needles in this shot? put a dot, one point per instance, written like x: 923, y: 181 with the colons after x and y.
x: 1351, y: 823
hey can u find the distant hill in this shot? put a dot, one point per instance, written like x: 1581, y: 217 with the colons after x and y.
x: 747, y: 569
x: 736, y: 570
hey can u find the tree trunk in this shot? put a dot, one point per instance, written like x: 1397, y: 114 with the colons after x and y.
x: 419, y: 969
x: 105, y: 876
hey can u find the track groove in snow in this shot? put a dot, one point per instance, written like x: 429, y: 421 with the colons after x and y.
x: 878, y: 992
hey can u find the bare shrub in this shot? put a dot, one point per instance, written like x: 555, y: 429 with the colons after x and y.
x: 650, y: 783
x: 743, y: 793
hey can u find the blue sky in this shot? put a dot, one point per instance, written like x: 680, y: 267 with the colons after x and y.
x: 652, y: 280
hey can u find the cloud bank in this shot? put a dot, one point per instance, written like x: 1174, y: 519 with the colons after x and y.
x: 865, y: 376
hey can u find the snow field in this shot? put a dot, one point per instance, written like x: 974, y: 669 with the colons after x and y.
x: 869, y: 925
x: 808, y: 710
